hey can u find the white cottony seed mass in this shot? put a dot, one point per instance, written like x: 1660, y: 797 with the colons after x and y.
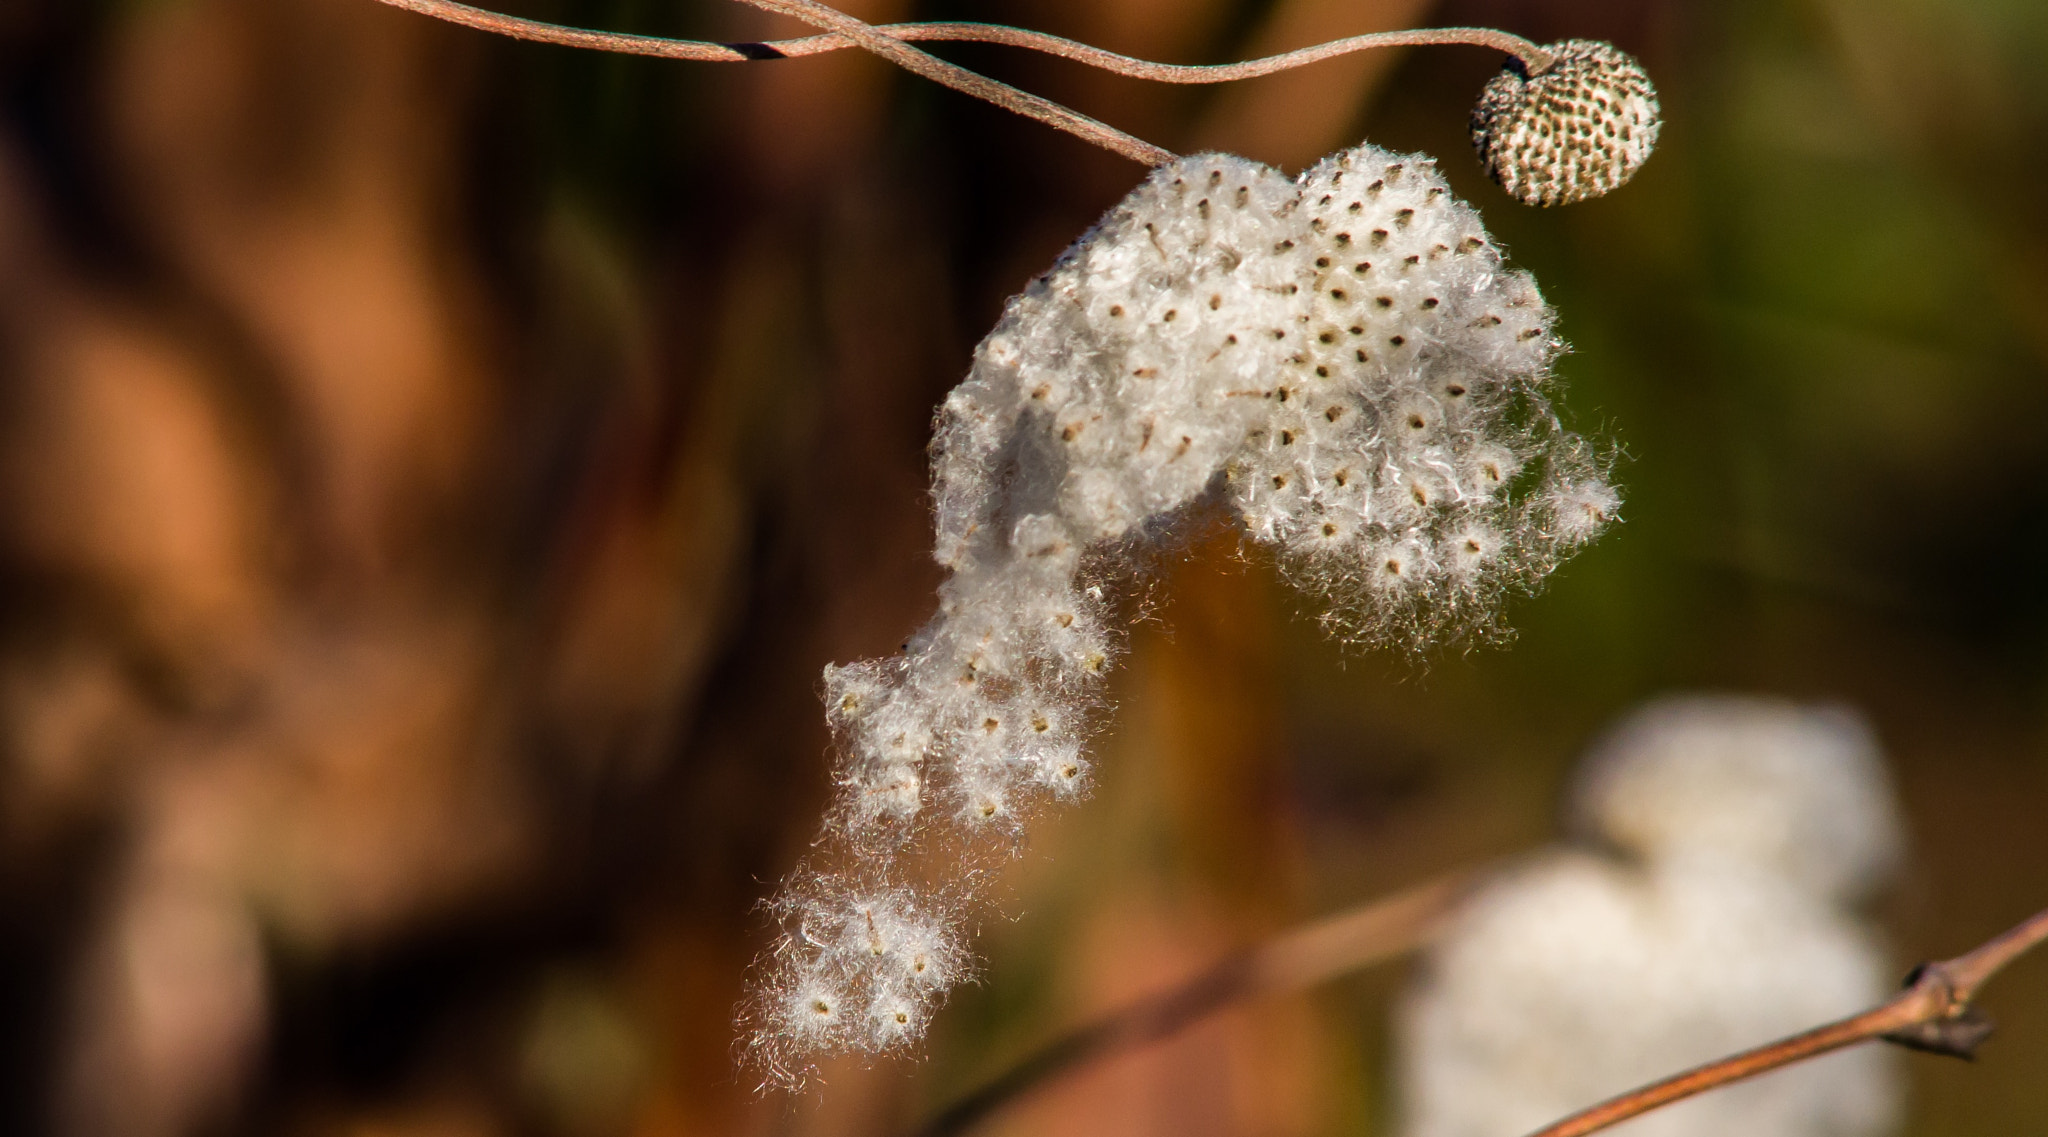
x: 1341, y: 360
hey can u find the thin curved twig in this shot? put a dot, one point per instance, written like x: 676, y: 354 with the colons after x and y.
x: 1372, y: 933
x: 1935, y: 1012
x: 842, y: 31
x: 892, y: 42
x: 1535, y: 58
x: 920, y: 62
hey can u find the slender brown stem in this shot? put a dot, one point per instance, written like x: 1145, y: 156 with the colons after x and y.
x: 1533, y: 57
x: 891, y: 41
x: 1316, y: 952
x: 1935, y: 1012
x: 920, y: 62
x: 538, y: 31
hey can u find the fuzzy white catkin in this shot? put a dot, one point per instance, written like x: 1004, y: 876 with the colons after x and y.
x: 1340, y: 359
x: 1749, y: 828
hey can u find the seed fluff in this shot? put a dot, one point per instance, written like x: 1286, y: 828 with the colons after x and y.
x: 1342, y: 361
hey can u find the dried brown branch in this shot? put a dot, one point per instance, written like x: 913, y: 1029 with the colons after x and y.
x: 891, y: 41
x: 1935, y: 1012
x: 920, y: 62
x: 1314, y: 953
x: 1535, y: 58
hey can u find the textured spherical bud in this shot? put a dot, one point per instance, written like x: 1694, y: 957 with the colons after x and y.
x: 1574, y: 130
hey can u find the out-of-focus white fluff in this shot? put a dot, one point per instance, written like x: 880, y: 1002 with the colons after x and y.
x: 1704, y: 911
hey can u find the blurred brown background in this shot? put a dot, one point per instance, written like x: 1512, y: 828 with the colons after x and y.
x: 436, y: 469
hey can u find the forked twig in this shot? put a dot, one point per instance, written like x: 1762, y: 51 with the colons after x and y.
x: 842, y: 31
x: 892, y: 42
x: 1935, y: 1012
x: 920, y: 62
x: 1371, y: 933
x: 956, y: 31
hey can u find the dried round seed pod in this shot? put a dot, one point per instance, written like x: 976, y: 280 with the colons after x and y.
x: 1571, y: 131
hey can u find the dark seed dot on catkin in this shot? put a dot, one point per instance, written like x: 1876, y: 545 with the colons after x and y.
x: 1202, y: 207
x: 1379, y: 236
x: 1384, y: 301
x: 1278, y: 334
x: 1334, y: 413
x: 1283, y: 246
x: 1356, y: 329
x: 1329, y: 529
x: 1412, y: 260
x: 1322, y: 262
x: 1169, y: 314
x: 1362, y: 357
x: 1355, y: 206
x: 1322, y: 372
x: 1397, y: 341
x: 1403, y: 216
x: 1280, y: 481
x: 1362, y: 267
x: 1455, y: 390
x: 1286, y: 438
x: 1431, y: 302
x: 1215, y: 301
x: 991, y: 725
x: 1230, y: 340
x: 1337, y: 294
x: 1343, y: 238
x: 1116, y: 310
x: 1417, y: 422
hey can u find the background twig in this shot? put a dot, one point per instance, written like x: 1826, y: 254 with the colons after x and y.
x: 1933, y: 1013
x: 1314, y: 953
